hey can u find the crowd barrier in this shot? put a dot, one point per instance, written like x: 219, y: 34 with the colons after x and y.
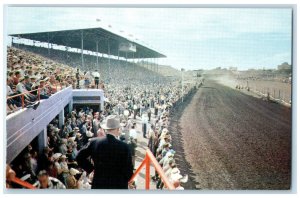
x: 149, y: 158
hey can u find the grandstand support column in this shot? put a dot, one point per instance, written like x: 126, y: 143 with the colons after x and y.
x: 157, y: 66
x: 82, y: 62
x: 48, y: 45
x: 101, y: 105
x: 70, y: 106
x: 61, y: 118
x: 42, y: 140
x: 119, y: 57
x: 97, y: 53
x: 152, y: 65
x: 132, y: 57
x: 148, y: 65
x: 108, y: 57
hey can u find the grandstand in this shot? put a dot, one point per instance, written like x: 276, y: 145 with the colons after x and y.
x: 73, y: 59
x: 47, y: 116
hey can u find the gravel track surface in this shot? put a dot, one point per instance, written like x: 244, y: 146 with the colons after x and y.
x: 226, y: 139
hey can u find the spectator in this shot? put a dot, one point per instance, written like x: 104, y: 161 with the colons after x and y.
x: 27, y: 83
x: 96, y: 78
x: 16, y: 77
x: 72, y: 182
x: 114, y: 169
x: 47, y: 182
x: 22, y: 89
x: 44, y: 92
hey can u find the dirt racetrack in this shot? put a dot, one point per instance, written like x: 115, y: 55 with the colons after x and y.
x: 226, y: 139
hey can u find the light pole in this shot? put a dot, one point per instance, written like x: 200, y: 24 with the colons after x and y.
x: 182, y: 70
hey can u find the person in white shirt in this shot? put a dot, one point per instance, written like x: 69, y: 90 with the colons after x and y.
x: 21, y: 87
x: 47, y: 182
x: 96, y: 78
x: 133, y: 133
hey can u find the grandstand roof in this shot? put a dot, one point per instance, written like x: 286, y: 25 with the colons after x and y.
x: 72, y: 38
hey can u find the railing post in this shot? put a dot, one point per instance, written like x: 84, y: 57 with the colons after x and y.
x: 147, y: 176
x: 149, y: 158
x: 39, y: 94
x: 23, y: 101
x: 23, y: 183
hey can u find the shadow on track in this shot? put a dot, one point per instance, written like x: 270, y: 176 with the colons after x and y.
x: 177, y: 143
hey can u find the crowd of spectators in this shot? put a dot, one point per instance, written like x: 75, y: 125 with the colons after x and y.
x: 27, y: 72
x: 140, y: 99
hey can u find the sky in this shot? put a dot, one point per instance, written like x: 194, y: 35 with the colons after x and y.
x: 191, y: 38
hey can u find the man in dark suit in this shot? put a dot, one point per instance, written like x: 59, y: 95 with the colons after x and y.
x: 112, y: 161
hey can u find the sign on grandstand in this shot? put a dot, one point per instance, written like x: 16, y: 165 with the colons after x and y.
x: 127, y: 47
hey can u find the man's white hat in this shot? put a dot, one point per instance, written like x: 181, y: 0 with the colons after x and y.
x: 126, y: 112
x: 78, y: 134
x: 56, y: 156
x: 89, y: 134
x: 165, y: 130
x: 74, y: 171
x: 72, y: 139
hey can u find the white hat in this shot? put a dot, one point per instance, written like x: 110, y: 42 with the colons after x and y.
x: 74, y: 171
x: 126, y: 112
x: 78, y: 134
x: 169, y: 154
x: 56, y: 156
x: 72, y: 139
x: 165, y: 130
x: 89, y: 134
